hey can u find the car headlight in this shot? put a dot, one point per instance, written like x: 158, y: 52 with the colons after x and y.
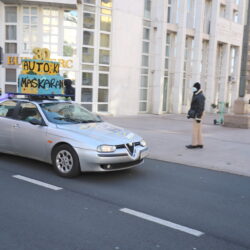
x: 143, y: 143
x: 106, y: 148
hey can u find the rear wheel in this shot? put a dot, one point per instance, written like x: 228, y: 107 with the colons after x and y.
x: 65, y: 161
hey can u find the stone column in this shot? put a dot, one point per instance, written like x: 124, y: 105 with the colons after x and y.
x: 212, y: 54
x: 229, y: 9
x: 243, y: 4
x: 241, y: 116
x: 237, y: 74
x: 159, y: 12
x: 197, y: 56
x: 225, y: 73
x: 180, y: 53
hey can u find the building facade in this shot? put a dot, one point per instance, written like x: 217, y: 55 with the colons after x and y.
x: 130, y: 57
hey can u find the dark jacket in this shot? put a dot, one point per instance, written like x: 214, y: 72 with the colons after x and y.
x: 69, y: 90
x: 198, y: 104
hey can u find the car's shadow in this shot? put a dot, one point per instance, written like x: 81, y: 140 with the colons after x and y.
x: 20, y: 164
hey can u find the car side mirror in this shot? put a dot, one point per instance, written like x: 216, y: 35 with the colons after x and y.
x: 99, y: 117
x: 35, y: 121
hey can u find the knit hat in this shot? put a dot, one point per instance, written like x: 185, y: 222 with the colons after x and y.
x: 197, y: 85
x: 67, y: 83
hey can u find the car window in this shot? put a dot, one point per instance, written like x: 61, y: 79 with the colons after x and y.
x: 7, y: 108
x: 68, y: 113
x: 28, y: 111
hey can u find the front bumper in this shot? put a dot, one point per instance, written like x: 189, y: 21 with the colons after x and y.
x: 93, y: 161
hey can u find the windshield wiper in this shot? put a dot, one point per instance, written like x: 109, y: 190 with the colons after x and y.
x: 76, y: 120
x: 67, y: 119
x: 90, y: 121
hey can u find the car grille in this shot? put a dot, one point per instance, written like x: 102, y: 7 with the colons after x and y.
x: 124, y: 145
x: 130, y: 148
x: 120, y: 165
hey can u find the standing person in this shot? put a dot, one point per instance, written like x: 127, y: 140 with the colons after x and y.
x: 68, y: 89
x: 196, y: 112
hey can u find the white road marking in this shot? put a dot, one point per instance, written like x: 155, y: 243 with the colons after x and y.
x: 162, y: 222
x: 39, y: 183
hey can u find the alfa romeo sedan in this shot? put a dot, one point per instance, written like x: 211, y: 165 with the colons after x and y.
x: 68, y: 136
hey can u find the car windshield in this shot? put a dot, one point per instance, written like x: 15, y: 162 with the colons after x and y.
x: 68, y: 113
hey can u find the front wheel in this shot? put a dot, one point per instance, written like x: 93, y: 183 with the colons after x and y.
x: 65, y: 161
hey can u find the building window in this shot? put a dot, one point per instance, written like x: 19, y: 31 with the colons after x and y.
x: 169, y: 14
x: 87, y: 78
x: 70, y: 18
x: 147, y: 9
x: 173, y: 7
x: 10, y: 48
x: 30, y: 29
x: 87, y: 95
x: 222, y: 10
x: 106, y: 3
x: 96, y: 54
x: 88, y: 38
x: 144, y: 82
x: 204, y: 64
x: 10, y: 75
x: 10, y: 14
x: 51, y: 30
x: 88, y: 55
x: 219, y: 71
x: 187, y: 70
x: 69, y: 32
x: 190, y: 14
x: 166, y: 73
x: 10, y: 43
x: 88, y: 21
x: 89, y: 1
x: 104, y: 56
x: 105, y: 23
x: 11, y: 29
x: 207, y: 16
x: 233, y: 55
x: 104, y: 40
x: 103, y: 80
x: 236, y: 16
x: 9, y: 88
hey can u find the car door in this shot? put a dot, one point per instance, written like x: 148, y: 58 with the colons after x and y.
x: 29, y: 140
x: 7, y: 111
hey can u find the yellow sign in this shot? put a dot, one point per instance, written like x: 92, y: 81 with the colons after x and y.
x: 40, y: 54
x: 40, y: 67
x: 40, y: 75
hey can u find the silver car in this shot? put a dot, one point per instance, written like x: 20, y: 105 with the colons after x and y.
x: 66, y: 135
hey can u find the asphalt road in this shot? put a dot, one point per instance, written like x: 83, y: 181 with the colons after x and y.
x: 100, y: 211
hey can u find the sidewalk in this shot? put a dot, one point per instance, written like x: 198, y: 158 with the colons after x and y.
x: 226, y: 149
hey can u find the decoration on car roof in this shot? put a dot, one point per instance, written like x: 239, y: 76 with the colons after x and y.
x: 40, y: 75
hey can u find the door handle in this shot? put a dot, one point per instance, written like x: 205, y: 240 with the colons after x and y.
x: 16, y: 126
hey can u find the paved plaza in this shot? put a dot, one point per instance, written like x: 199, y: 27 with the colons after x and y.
x: 226, y: 149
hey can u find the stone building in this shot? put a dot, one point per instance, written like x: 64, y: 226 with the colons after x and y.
x: 133, y: 56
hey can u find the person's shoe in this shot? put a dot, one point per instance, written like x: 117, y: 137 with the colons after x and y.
x: 199, y: 146
x: 191, y: 146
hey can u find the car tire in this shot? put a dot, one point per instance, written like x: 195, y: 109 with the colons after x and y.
x: 65, y: 161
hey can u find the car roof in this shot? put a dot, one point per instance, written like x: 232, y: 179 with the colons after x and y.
x: 38, y: 101
x: 37, y: 98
